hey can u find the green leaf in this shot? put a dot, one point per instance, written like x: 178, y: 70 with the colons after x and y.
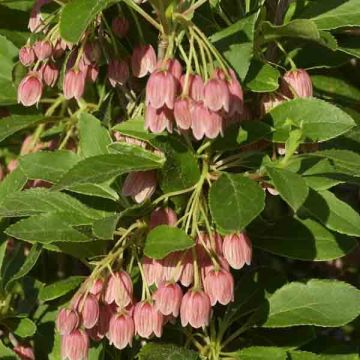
x: 48, y: 166
x: 164, y: 240
x: 8, y: 56
x: 20, y: 326
x: 305, y: 355
x: 291, y: 186
x: 301, y: 239
x: 94, y: 138
x: 336, y: 88
x: 318, y: 120
x: 7, y: 353
x: 332, y: 14
x: 48, y: 228
x: 77, y: 15
x: 318, y: 302
x: 262, y: 77
x: 60, y: 288
x: 27, y: 266
x: 261, y: 353
x: 101, y: 168
x: 40, y: 200
x: 98, y: 190
x: 235, y: 43
x: 181, y: 169
x: 286, y: 338
x: 153, y: 351
x: 299, y: 28
x: 104, y: 228
x: 235, y: 201
x: 350, y: 45
x: 135, y: 128
x: 332, y: 212
x: 12, y: 183
x: 344, y: 161
x: 11, y: 124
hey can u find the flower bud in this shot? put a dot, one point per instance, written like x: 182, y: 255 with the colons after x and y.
x: 175, y: 68
x: 119, y: 289
x: 143, y: 61
x: 92, y: 73
x: 50, y: 74
x: 297, y: 83
x: 195, y: 309
x: 118, y: 72
x: 30, y: 89
x: 74, y: 84
x: 237, y: 250
x: 161, y: 90
x: 24, y: 352
x: 42, y: 49
x: 75, y: 346
x: 147, y: 320
x: 168, y: 299
x: 121, y: 331
x: 120, y: 26
x: 27, y: 55
x: 140, y: 185
x: 163, y: 216
x: 67, y: 321
x: 97, y: 287
x: 217, y: 95
x: 219, y: 285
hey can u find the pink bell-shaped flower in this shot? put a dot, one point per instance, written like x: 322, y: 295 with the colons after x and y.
x: 219, y: 285
x: 88, y: 307
x: 168, y: 298
x: 118, y: 72
x: 182, y: 113
x: 187, y: 273
x: 195, y: 309
x: 217, y: 95
x: 143, y: 61
x: 140, y: 185
x: 196, y: 88
x: 27, y: 55
x: 119, y: 289
x: 30, y: 89
x: 74, y: 84
x: 163, y: 216
x: 75, y: 346
x: 98, y: 332
x: 147, y: 320
x: 121, y: 331
x: 297, y: 83
x: 43, y: 49
x: 120, y: 26
x: 67, y: 321
x: 237, y: 250
x: 50, y: 74
x: 161, y: 90
x: 24, y: 352
x: 157, y: 120
x: 236, y: 95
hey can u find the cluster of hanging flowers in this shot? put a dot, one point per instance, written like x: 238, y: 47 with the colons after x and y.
x: 185, y: 100
x: 184, y: 284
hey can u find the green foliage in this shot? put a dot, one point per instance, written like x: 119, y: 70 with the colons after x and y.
x: 234, y: 202
x: 164, y: 240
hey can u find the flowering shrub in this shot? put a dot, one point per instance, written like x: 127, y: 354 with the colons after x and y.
x: 179, y: 179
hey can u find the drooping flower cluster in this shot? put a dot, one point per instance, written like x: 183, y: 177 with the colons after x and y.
x: 185, y: 100
x: 187, y: 284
